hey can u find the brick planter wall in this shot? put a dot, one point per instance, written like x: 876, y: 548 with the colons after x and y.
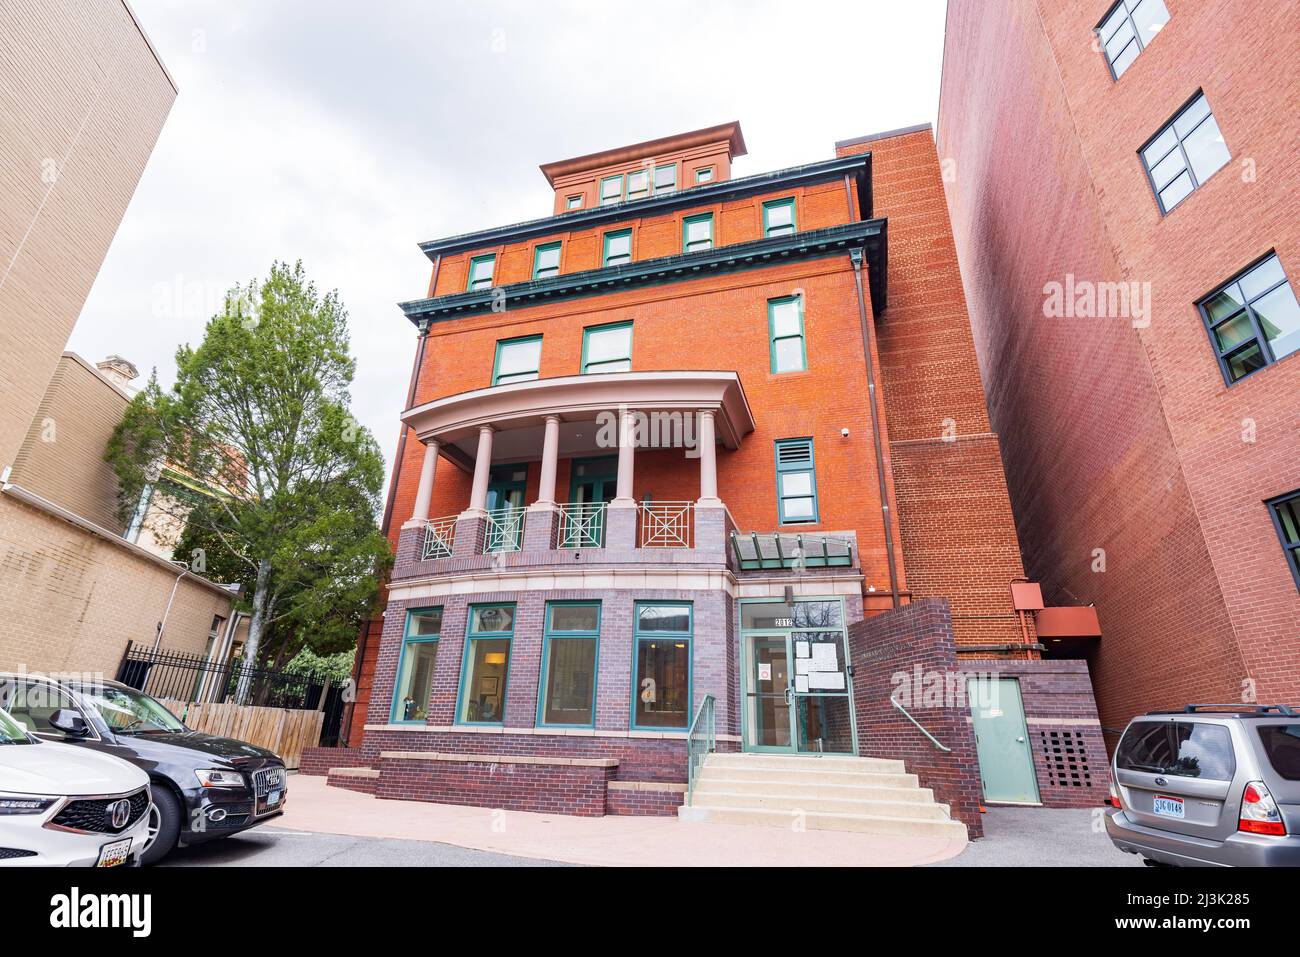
x: 365, y: 783
x: 318, y: 761
x: 898, y: 641
x: 646, y: 798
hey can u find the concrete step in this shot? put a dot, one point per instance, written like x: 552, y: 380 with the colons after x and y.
x: 918, y: 810
x: 808, y: 791
x: 826, y: 821
x: 820, y: 775
x: 806, y: 762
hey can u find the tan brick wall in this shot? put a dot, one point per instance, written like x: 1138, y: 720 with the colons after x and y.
x: 71, y: 600
x: 82, y: 101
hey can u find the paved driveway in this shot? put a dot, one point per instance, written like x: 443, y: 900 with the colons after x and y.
x: 1043, y: 837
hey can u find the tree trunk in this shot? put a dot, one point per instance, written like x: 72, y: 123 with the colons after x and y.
x: 256, y: 625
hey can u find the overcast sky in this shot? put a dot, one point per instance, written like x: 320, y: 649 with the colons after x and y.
x: 343, y: 133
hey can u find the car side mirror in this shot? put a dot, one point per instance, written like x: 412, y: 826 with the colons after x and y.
x: 69, y: 722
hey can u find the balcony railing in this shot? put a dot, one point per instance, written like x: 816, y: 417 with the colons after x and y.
x: 439, y: 536
x: 505, y: 531
x: 582, y: 525
x: 665, y: 524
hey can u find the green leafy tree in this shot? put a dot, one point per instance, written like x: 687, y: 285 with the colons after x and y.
x: 276, y: 484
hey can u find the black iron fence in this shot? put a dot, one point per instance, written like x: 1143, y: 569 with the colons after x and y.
x: 189, y: 677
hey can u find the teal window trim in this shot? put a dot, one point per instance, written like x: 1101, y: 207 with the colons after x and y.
x: 409, y: 639
x: 645, y: 177
x: 700, y: 245
x: 470, y: 638
x: 537, y: 258
x: 573, y: 202
x: 773, y: 338
x: 668, y: 187
x: 586, y: 335
x: 547, y: 635
x: 767, y: 215
x: 705, y: 174
x: 496, y: 362
x: 638, y: 636
x: 792, y: 468
x: 490, y: 258
x: 602, y: 199
x: 615, y: 234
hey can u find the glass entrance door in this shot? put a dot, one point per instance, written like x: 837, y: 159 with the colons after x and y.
x: 594, y: 483
x: 768, y: 693
x: 505, y: 502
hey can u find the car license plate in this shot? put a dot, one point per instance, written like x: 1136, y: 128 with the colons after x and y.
x: 111, y: 855
x: 273, y: 798
x: 1168, y: 806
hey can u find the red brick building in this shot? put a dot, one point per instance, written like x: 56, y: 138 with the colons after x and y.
x: 1141, y: 155
x: 672, y: 453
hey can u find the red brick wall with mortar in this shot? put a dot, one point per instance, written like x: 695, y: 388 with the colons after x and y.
x: 557, y: 789
x: 366, y: 785
x: 643, y: 803
x: 1121, y: 438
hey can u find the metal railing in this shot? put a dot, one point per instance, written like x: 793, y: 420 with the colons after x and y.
x: 906, y: 714
x: 439, y: 536
x: 665, y: 524
x: 582, y: 525
x: 505, y: 531
x: 701, y: 741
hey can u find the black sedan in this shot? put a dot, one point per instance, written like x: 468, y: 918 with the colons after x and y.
x: 204, y: 786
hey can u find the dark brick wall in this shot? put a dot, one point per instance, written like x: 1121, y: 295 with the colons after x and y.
x: 318, y: 761
x: 558, y: 789
x: 643, y: 803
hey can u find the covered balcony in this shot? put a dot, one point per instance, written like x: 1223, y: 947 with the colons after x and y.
x: 601, y: 424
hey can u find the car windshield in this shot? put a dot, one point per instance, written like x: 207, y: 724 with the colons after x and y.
x: 11, y: 732
x: 127, y: 711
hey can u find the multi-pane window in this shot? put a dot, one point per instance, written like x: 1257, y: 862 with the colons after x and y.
x: 1128, y: 28
x: 666, y: 178
x: 778, y: 217
x: 573, y: 202
x: 487, y: 664
x: 704, y: 174
x: 611, y: 190
x: 1254, y: 319
x: 661, y: 694
x: 638, y: 184
x: 480, y: 271
x: 1187, y: 152
x: 618, y: 248
x: 1286, y: 517
x: 607, y: 348
x: 518, y: 360
x: 785, y: 329
x: 415, y: 669
x: 697, y: 233
x: 546, y: 261
x: 568, y: 688
x: 796, y: 481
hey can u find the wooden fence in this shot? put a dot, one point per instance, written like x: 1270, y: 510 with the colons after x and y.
x: 280, y: 730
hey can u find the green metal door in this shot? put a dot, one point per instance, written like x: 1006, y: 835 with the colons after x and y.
x: 1002, y: 741
x: 592, y: 485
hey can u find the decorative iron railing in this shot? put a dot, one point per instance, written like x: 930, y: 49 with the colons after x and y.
x: 439, y: 536
x: 665, y: 524
x: 582, y: 525
x: 701, y: 741
x: 505, y: 530
x: 784, y: 550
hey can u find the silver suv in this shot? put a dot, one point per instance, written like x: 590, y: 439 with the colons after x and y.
x: 1211, y: 785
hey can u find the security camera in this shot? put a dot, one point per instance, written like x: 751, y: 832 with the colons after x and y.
x: 844, y: 433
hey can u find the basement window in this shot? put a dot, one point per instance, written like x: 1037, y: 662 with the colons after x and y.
x: 1126, y: 30
x: 1253, y: 319
x: 1286, y: 518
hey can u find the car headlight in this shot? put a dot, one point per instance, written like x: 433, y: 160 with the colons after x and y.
x: 218, y: 778
x: 24, y: 804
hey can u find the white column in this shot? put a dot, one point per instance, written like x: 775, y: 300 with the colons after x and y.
x: 424, y: 493
x: 705, y: 438
x: 550, y: 458
x: 482, y: 466
x: 626, y: 451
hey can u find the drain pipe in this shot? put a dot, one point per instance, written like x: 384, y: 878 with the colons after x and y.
x: 855, y: 257
x: 185, y: 570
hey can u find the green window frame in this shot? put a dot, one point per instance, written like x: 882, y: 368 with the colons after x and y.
x: 546, y: 260
x: 671, y: 707
x: 478, y: 695
x: 666, y: 178
x: 705, y: 174
x: 638, y: 184
x: 416, y: 664
x: 620, y: 255
x: 573, y: 202
x: 786, y: 343
x: 796, y: 482
x: 609, y: 196
x: 703, y: 238
x: 481, y: 269
x: 517, y: 360
x: 609, y: 354
x: 783, y: 211
x: 1285, y: 510
x: 570, y: 667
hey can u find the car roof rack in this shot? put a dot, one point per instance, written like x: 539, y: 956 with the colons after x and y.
x: 1241, y: 710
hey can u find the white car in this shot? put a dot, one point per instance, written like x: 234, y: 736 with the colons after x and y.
x: 63, y: 806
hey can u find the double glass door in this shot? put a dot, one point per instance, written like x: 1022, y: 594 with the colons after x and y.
x: 593, y: 485
x: 796, y: 693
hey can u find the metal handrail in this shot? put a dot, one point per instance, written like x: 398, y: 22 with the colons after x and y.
x: 665, y: 524
x: 701, y: 741
x: 505, y: 531
x: 582, y: 525
x: 439, y: 537
x: 906, y: 714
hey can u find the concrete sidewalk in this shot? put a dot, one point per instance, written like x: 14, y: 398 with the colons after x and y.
x: 601, y: 841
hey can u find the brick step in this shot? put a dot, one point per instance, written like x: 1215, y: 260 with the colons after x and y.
x: 779, y: 775
x: 788, y: 803
x: 353, y: 779
x: 810, y: 790
x: 826, y: 821
x: 806, y: 762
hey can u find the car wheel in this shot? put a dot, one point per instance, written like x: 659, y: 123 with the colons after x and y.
x: 164, y: 826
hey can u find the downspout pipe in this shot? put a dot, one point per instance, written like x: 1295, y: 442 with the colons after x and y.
x: 855, y: 257
x: 185, y: 570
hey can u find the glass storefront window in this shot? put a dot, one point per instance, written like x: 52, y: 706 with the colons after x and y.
x: 415, y: 670
x: 569, y: 683
x: 662, y: 694
x: 487, y: 665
